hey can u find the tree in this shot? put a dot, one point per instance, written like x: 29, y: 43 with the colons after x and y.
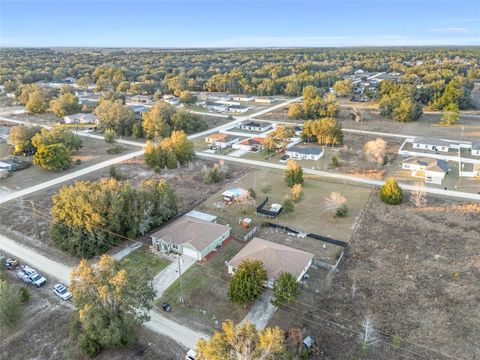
x: 295, y: 111
x: 288, y: 206
x: 21, y: 137
x: 37, y: 102
x: 368, y: 337
x: 109, y: 135
x: 451, y: 114
x: 247, y: 283
x: 66, y: 104
x: 418, y: 195
x: 52, y: 157
x: 326, y: 131
x: 112, y: 114
x: 111, y: 301
x: 211, y: 175
x: 408, y: 110
x: 242, y: 342
x: 186, y: 121
x: 10, y: 304
x: 375, y: 151
x: 285, y: 289
x: 137, y: 130
x: 293, y: 173
x: 343, y: 87
x: 187, y: 98
x: 157, y: 121
x: 335, y: 204
x: 296, y: 193
x: 391, y: 193
x: 57, y: 135
x: 88, y: 215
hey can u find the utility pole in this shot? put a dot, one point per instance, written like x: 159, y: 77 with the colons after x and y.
x: 36, y: 220
x: 460, y: 159
x: 181, y: 284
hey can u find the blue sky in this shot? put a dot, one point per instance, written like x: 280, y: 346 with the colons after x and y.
x: 232, y: 23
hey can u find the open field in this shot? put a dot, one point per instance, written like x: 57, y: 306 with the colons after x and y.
x: 42, y: 334
x: 415, y: 270
x: 16, y: 217
x: 205, y: 290
x: 92, y: 152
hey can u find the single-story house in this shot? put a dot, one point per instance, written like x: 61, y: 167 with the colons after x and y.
x: 190, y: 236
x: 476, y: 148
x: 171, y: 99
x: 234, y: 194
x: 259, y: 126
x: 144, y: 99
x: 263, y: 100
x: 4, y: 132
x: 221, y: 140
x: 431, y: 144
x: 304, y: 152
x: 252, y: 144
x: 244, y: 98
x: 81, y: 118
x: 139, y: 109
x: 470, y: 170
x: 431, y: 169
x: 276, y: 258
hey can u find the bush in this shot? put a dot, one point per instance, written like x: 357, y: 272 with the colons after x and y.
x: 211, y: 175
x: 391, y: 193
x: 109, y: 135
x: 115, y: 150
x: 296, y: 194
x: 335, y: 163
x: 252, y: 193
x: 293, y: 173
x: 288, y: 206
x: 24, y: 294
x: 114, y: 173
x: 78, y: 162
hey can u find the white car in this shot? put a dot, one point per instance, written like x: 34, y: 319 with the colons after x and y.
x: 62, y: 292
x: 31, y: 276
x: 190, y: 355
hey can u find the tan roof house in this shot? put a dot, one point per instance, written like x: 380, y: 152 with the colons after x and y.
x: 190, y: 236
x: 276, y: 258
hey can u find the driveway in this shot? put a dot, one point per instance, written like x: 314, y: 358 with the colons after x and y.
x: 238, y: 153
x: 261, y: 312
x: 167, y: 276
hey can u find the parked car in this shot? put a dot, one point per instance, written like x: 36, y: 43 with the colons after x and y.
x: 166, y: 306
x: 11, y: 264
x: 31, y: 276
x: 62, y: 292
x: 284, y: 157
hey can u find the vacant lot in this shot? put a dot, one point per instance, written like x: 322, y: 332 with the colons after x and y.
x: 416, y: 271
x: 147, y: 262
x: 205, y: 290
x: 16, y: 217
x: 93, y: 151
x: 42, y: 334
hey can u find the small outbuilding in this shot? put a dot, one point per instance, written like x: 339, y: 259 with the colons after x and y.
x: 303, y: 152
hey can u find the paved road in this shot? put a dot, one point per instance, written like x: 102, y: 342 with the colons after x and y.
x: 61, y: 272
x: 457, y: 194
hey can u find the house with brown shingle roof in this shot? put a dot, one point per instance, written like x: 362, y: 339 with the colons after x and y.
x: 221, y: 140
x: 276, y: 258
x: 190, y: 236
x: 252, y: 144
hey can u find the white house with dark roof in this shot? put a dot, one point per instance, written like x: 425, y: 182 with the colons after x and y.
x: 476, y: 148
x: 257, y: 126
x: 432, y: 170
x: 305, y: 152
x: 81, y: 118
x: 424, y: 143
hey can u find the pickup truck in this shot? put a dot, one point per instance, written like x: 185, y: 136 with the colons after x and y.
x: 31, y: 276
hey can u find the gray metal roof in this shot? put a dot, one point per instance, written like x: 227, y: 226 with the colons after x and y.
x: 476, y: 146
x: 307, y: 150
x: 431, y: 141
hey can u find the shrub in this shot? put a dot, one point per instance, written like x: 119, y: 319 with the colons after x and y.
x: 335, y: 163
x: 24, y: 294
x: 117, y: 149
x: 391, y: 193
x: 296, y: 193
x: 109, y: 135
x: 293, y: 173
x: 288, y: 206
x: 252, y: 193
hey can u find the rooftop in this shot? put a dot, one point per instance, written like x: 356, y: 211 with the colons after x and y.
x: 431, y: 141
x: 307, y: 150
x: 276, y: 258
x: 195, y: 232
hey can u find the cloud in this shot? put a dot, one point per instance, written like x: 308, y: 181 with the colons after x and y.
x: 453, y: 30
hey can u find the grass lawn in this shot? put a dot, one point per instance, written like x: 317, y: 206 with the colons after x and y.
x: 205, y: 290
x: 151, y: 263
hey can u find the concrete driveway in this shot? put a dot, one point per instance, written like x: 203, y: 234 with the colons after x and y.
x: 261, y: 312
x: 167, y: 276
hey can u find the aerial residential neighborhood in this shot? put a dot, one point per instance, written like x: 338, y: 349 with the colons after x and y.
x: 239, y: 180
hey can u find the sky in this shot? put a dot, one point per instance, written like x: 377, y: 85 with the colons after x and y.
x: 230, y: 23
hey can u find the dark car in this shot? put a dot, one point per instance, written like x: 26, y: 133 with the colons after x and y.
x: 166, y: 306
x: 285, y: 157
